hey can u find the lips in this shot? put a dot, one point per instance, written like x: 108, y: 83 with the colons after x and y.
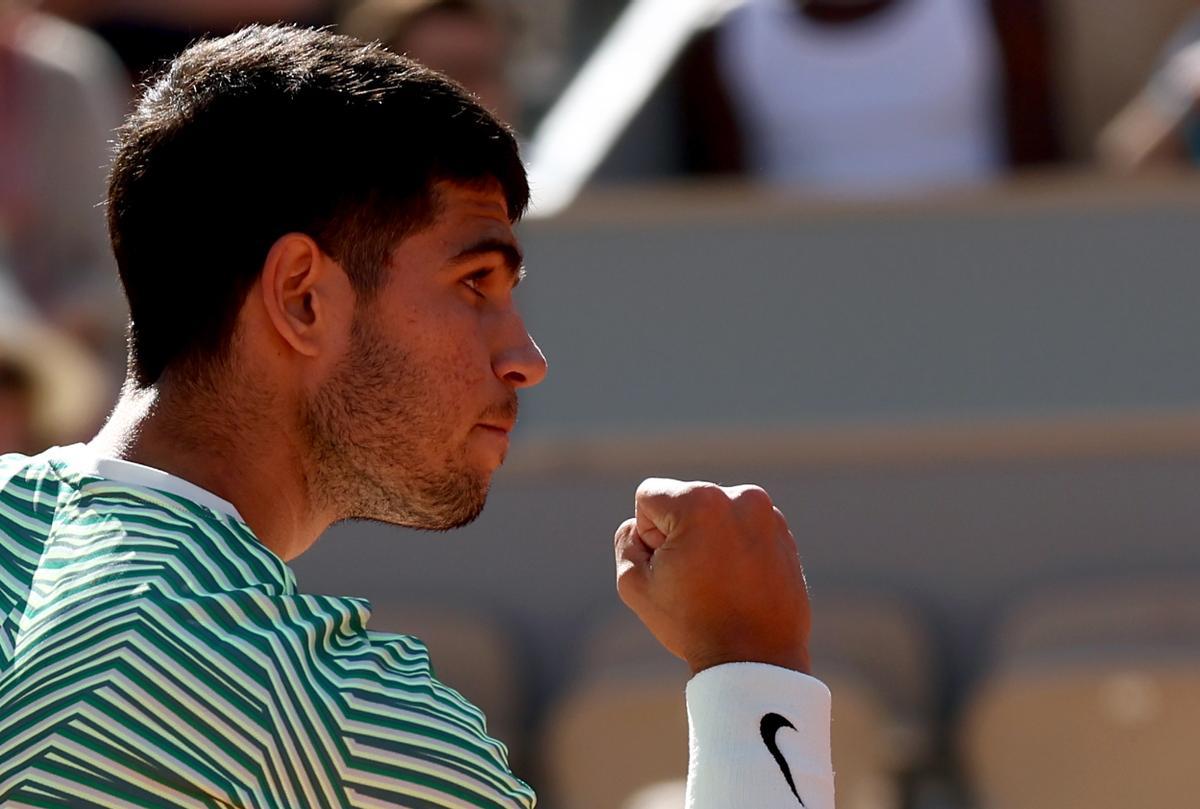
x: 501, y: 417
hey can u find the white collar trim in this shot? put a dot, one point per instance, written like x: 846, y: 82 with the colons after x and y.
x: 84, y: 459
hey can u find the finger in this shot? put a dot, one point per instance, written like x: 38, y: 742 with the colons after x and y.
x: 632, y: 562
x: 648, y: 533
x: 749, y: 496
x: 629, y: 546
x: 658, y: 505
x: 653, y: 506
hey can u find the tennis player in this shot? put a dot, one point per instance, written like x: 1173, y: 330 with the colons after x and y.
x: 315, y: 239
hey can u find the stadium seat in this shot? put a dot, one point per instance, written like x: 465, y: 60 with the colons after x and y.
x: 876, y: 656
x: 621, y: 727
x: 619, y: 642
x: 614, y: 734
x: 663, y: 795
x: 471, y: 654
x: 1132, y: 614
x: 1094, y: 701
x: 871, y: 651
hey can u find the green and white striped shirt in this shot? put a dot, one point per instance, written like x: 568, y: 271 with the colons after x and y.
x: 154, y: 653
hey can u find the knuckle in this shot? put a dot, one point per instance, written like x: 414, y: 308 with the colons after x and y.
x: 623, y: 532
x: 656, y: 486
x: 752, y: 498
x: 705, y: 494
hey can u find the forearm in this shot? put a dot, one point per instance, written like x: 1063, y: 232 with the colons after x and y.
x: 759, y: 736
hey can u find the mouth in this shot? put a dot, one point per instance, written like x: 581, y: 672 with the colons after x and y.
x: 499, y: 429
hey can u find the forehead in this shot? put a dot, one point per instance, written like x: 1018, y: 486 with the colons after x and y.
x: 461, y: 203
x: 468, y: 213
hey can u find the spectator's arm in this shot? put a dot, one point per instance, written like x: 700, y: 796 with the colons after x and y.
x: 1147, y: 131
x: 1142, y: 135
x: 759, y: 737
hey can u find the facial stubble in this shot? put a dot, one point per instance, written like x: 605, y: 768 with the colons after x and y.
x: 382, y: 443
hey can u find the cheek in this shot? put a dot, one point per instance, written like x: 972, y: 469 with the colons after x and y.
x: 454, y: 350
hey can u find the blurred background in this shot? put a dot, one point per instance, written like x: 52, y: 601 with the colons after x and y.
x: 926, y: 269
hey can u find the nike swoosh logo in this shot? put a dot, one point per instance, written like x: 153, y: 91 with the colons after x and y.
x: 768, y: 727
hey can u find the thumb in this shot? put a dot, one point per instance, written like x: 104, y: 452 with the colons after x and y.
x: 654, y: 507
x: 633, y: 562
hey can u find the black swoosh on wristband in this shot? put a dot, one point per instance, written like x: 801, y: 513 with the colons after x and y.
x: 768, y: 727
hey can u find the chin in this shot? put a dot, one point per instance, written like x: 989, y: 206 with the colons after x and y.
x: 452, y: 502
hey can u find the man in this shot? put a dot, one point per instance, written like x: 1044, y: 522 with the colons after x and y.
x: 315, y: 238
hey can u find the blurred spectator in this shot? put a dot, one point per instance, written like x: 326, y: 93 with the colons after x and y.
x: 468, y: 40
x: 871, y: 96
x: 148, y: 33
x: 1160, y: 125
x: 62, y: 92
x: 51, y: 390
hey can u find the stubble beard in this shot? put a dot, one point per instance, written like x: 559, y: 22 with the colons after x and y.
x: 362, y: 467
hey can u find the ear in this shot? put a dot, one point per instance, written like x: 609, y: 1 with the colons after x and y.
x: 304, y: 293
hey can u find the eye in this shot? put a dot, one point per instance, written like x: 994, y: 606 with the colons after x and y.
x: 475, y: 280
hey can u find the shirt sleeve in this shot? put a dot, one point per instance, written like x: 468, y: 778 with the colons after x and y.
x: 758, y: 736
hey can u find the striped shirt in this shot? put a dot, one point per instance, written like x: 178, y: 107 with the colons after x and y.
x: 154, y: 653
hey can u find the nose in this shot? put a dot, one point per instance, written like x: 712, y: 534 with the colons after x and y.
x: 521, y: 365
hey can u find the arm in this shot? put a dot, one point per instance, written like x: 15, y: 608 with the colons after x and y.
x: 714, y: 574
x: 1147, y: 131
x: 1144, y: 133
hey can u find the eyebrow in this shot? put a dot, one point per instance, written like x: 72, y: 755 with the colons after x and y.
x: 511, y: 255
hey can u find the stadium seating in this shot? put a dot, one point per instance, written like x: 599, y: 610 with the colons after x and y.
x: 621, y: 727
x: 613, y: 734
x: 663, y: 795
x: 877, y: 659
x: 1094, y: 701
x: 622, y: 730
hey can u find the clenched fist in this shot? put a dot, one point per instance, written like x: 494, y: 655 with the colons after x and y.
x: 714, y: 573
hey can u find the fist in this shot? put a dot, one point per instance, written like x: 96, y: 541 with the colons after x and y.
x: 713, y: 572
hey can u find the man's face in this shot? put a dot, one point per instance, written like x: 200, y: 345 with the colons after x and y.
x: 413, y: 422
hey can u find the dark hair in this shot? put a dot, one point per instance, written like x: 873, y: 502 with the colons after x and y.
x: 272, y: 130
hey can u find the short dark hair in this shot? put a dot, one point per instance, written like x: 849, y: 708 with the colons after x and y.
x: 272, y: 130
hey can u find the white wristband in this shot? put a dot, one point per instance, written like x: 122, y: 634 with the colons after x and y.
x: 758, y: 737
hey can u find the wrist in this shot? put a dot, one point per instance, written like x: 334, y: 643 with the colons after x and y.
x: 794, y: 659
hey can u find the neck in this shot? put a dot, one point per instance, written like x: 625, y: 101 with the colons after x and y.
x: 251, y: 461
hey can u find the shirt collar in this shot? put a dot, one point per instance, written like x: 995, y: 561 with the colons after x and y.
x: 85, y: 460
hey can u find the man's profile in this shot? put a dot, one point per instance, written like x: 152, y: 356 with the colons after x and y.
x: 315, y: 237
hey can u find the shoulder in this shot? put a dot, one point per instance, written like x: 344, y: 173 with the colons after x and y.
x: 28, y: 484
x: 402, y: 725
